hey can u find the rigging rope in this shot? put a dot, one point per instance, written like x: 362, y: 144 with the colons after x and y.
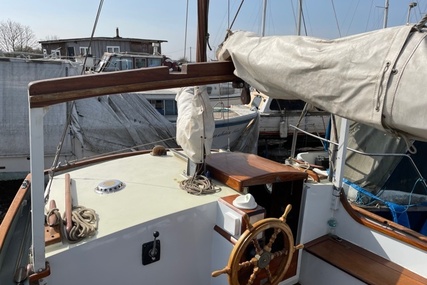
x: 421, y: 23
x: 237, y: 13
x: 70, y: 107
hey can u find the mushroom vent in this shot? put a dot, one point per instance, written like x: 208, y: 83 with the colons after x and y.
x: 110, y: 186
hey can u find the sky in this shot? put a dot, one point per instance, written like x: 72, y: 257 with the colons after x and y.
x: 168, y: 19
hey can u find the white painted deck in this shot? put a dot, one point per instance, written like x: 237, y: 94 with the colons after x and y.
x: 146, y: 197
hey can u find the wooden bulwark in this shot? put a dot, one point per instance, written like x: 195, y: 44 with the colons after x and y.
x: 53, y: 91
x: 360, y: 263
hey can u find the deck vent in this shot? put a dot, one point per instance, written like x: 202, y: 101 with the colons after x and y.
x: 109, y: 186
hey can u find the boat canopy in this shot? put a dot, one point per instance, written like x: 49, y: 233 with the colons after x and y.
x: 373, y: 78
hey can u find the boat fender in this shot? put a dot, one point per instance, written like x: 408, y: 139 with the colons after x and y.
x: 283, y: 128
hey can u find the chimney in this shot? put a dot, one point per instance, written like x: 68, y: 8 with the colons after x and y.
x: 117, y: 33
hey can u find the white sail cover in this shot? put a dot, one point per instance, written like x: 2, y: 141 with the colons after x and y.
x: 195, y: 124
x: 374, y: 78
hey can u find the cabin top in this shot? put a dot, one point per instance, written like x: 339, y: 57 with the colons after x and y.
x: 239, y: 170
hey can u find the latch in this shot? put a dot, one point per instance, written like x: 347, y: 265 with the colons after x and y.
x: 151, y: 250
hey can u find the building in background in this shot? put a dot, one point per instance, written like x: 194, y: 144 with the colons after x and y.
x: 94, y: 48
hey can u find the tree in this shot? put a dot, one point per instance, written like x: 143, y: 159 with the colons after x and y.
x: 15, y: 37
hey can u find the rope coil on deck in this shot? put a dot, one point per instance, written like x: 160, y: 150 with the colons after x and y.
x: 85, y: 223
x: 199, y: 185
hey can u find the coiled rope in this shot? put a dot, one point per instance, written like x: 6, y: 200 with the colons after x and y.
x: 84, y: 221
x: 199, y: 185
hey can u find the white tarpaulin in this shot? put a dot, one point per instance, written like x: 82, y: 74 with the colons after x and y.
x: 374, y: 78
x: 15, y: 75
x: 120, y: 122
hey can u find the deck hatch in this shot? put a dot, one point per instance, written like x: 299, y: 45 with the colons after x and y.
x: 110, y: 186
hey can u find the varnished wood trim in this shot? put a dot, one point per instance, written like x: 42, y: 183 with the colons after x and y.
x: 35, y: 277
x: 68, y: 203
x: 12, y: 212
x: 225, y: 235
x: 238, y: 170
x: 387, y: 222
x: 93, y: 160
x: 383, y: 225
x: 53, y: 91
x: 360, y: 263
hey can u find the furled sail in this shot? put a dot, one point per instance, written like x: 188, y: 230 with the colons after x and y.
x: 195, y: 123
x: 374, y: 78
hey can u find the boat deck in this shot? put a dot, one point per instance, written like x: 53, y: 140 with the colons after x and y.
x: 146, y: 196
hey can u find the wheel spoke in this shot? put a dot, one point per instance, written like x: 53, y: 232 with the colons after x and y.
x: 272, y: 239
x: 270, y: 277
x: 279, y: 253
x: 253, y: 276
x: 248, y: 263
x: 257, y: 246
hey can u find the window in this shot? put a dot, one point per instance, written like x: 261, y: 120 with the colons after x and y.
x: 154, y: 62
x: 113, y: 49
x: 55, y: 53
x: 170, y: 107
x: 126, y: 63
x: 85, y: 51
x: 140, y: 62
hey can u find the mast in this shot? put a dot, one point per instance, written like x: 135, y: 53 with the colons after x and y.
x: 202, y: 30
x: 264, y: 11
x: 299, y: 17
x: 385, y: 14
x: 185, y: 36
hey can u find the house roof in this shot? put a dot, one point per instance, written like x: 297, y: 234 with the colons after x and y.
x: 100, y: 39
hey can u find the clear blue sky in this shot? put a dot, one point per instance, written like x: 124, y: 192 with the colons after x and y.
x: 165, y: 19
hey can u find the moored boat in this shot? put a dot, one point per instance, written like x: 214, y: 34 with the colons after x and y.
x: 151, y: 220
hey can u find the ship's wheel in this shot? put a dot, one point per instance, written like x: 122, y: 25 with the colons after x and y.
x: 263, y: 251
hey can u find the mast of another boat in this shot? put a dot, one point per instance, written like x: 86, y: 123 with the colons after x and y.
x: 386, y: 5
x: 299, y: 17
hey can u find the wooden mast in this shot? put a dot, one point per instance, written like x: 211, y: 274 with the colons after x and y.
x: 202, y: 30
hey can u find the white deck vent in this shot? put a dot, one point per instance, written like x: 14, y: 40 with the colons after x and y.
x: 109, y: 186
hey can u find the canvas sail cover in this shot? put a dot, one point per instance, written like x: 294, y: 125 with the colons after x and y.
x: 195, y: 124
x: 374, y: 78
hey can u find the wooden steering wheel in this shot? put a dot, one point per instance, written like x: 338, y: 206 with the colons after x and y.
x: 265, y: 261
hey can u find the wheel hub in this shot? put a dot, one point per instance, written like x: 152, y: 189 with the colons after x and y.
x: 264, y: 259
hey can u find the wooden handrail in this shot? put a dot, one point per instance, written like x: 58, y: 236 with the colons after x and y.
x: 383, y: 225
x: 53, y: 91
x: 13, y: 210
